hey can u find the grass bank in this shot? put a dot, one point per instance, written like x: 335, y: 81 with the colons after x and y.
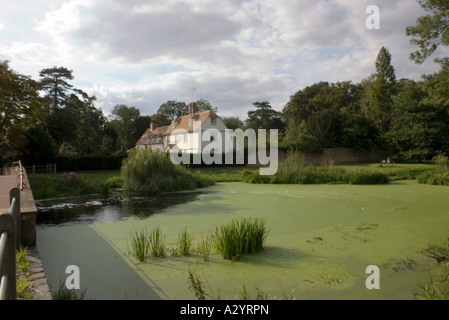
x: 46, y: 186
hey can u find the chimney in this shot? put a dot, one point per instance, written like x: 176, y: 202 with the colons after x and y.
x: 192, y: 108
x: 153, y: 125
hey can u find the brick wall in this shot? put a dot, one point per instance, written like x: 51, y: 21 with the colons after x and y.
x: 344, y: 155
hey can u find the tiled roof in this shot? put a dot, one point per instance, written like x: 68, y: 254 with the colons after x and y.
x: 156, y: 136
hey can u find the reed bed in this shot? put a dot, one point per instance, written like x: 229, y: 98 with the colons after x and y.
x: 294, y: 170
x: 142, y: 244
x: 153, y: 172
x: 240, y: 237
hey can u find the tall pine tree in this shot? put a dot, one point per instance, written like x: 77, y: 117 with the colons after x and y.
x: 381, y: 91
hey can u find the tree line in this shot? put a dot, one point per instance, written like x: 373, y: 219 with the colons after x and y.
x: 41, y: 119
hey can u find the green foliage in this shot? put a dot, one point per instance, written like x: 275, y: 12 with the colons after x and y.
x: 24, y: 288
x: 54, y: 82
x: 328, y: 115
x: 197, y: 286
x: 368, y: 177
x: 156, y: 243
x: 431, y: 30
x: 21, y: 108
x: 233, y: 123
x: 380, y: 92
x: 264, y: 117
x: 47, y: 186
x: 173, y: 109
x: 242, y: 237
x: 438, y: 286
x: 143, y: 244
x: 140, y: 244
x: 151, y: 172
x: 205, y: 248
x: 440, y: 176
x: 294, y: 170
x: 124, y: 120
x: 184, y: 242
x: 112, y: 183
x: 63, y: 293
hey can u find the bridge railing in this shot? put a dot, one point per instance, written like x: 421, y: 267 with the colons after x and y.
x: 9, y: 243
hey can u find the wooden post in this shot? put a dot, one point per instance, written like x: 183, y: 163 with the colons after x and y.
x: 8, y: 263
x: 15, y: 193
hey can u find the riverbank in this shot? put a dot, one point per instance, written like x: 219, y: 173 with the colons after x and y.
x: 46, y: 186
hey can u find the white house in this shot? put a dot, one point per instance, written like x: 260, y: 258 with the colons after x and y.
x: 186, y: 132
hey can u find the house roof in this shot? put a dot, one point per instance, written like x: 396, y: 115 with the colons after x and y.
x: 182, y: 122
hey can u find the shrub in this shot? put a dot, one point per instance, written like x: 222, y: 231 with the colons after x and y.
x: 111, y: 183
x: 152, y: 172
x: 238, y: 238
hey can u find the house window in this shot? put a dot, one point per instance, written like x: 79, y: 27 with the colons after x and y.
x: 213, y: 120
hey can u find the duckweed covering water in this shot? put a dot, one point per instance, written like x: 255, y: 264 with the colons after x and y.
x: 322, y: 238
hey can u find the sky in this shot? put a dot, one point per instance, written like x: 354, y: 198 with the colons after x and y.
x: 231, y: 53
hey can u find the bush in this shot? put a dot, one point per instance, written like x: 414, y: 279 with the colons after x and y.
x: 111, y: 183
x: 152, y: 172
x: 238, y: 238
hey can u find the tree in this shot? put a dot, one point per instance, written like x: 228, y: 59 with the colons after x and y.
x: 326, y: 127
x: 436, y: 85
x: 381, y: 91
x: 204, y: 105
x: 160, y: 119
x: 90, y: 123
x: 173, y: 109
x: 419, y: 130
x: 431, y: 30
x: 54, y: 83
x: 264, y: 117
x: 233, y: 123
x: 123, y: 120
x: 20, y: 108
x: 40, y: 146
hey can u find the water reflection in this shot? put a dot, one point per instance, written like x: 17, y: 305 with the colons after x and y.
x: 90, y: 209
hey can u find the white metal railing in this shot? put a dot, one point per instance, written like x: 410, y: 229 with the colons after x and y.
x: 8, y: 244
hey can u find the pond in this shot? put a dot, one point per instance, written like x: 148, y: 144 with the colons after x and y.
x: 321, y: 240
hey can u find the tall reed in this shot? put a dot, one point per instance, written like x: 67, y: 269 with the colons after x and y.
x: 156, y: 243
x: 240, y: 237
x: 184, y: 242
x: 140, y: 245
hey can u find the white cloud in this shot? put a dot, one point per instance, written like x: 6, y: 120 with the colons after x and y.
x: 234, y: 52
